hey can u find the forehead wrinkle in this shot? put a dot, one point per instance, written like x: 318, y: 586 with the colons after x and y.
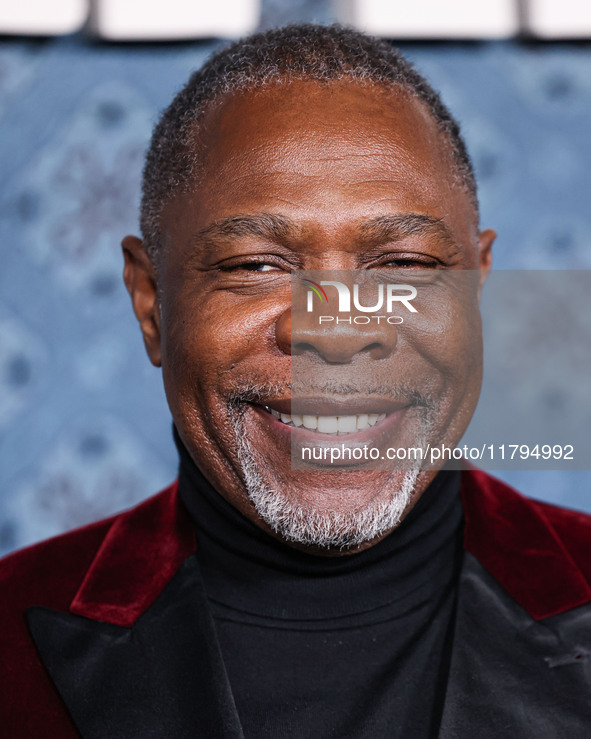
x: 268, y: 177
x: 339, y: 146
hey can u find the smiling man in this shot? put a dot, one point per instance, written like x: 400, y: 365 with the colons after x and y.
x: 266, y: 593
x: 317, y: 171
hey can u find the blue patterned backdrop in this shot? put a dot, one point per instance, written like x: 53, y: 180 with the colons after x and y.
x: 84, y: 427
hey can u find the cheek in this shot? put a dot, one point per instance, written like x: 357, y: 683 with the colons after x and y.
x: 446, y: 334
x: 209, y: 338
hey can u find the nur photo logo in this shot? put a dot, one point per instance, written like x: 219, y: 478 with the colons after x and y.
x: 314, y: 289
x: 388, y: 296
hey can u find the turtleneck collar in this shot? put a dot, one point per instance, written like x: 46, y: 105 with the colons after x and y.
x: 247, y: 569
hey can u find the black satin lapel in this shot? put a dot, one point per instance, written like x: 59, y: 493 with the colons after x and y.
x: 162, y: 678
x: 512, y: 676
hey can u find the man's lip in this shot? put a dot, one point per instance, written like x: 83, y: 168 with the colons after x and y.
x: 317, y: 406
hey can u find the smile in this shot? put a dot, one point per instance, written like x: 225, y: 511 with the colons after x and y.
x: 333, y: 425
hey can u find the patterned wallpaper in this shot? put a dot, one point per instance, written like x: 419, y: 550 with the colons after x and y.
x: 84, y: 426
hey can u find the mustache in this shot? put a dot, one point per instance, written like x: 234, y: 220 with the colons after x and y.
x: 263, y: 392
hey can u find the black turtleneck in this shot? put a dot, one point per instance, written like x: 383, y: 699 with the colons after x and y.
x: 349, y: 646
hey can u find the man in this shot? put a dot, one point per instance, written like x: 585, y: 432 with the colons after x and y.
x: 256, y: 596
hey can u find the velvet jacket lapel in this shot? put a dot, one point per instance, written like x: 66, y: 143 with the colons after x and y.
x: 139, y: 632
x: 137, y: 656
x: 163, y: 677
x: 521, y: 656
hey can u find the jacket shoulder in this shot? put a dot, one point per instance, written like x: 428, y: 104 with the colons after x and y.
x: 46, y: 574
x: 50, y: 572
x: 540, y: 553
x: 574, y: 531
x: 499, y: 501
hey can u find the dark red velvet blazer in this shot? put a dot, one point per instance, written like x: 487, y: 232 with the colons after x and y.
x: 113, y: 571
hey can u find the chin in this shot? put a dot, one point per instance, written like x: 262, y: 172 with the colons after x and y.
x: 327, y: 509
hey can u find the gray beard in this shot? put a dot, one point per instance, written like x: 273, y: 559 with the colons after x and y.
x: 325, y: 529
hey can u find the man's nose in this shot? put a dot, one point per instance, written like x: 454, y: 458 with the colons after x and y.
x: 336, y: 341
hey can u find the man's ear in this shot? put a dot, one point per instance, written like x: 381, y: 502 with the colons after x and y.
x: 139, y: 276
x: 485, y: 242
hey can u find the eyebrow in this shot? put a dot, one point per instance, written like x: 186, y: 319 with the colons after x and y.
x: 279, y: 228
x: 395, y: 227
x: 264, y: 225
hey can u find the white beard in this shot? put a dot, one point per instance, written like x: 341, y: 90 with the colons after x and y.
x: 325, y: 529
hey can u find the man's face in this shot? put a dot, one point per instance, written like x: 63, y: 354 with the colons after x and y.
x: 297, y: 177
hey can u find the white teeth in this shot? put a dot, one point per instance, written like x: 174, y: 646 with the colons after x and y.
x: 331, y: 424
x: 328, y: 424
x: 310, y: 422
x: 346, y: 424
x: 362, y: 421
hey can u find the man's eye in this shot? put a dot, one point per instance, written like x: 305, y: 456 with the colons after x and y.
x: 260, y: 267
x: 251, y: 267
x: 411, y: 262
